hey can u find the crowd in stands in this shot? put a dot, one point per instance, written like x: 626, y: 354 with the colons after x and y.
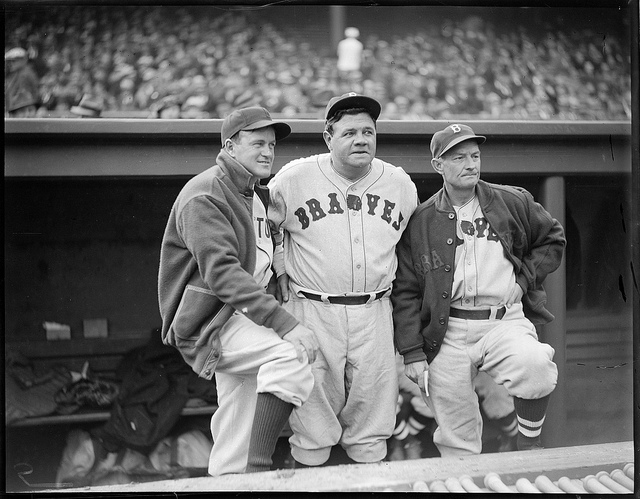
x: 173, y: 61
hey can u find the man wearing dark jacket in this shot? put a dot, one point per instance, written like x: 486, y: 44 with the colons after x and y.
x: 20, y: 85
x: 215, y: 267
x: 468, y: 292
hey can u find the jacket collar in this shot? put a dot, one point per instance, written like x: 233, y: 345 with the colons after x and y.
x: 238, y: 174
x: 484, y: 193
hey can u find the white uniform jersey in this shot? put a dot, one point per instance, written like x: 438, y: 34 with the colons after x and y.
x: 482, y: 271
x: 339, y: 235
x: 264, y: 246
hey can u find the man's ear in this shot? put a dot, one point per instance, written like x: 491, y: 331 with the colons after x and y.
x: 437, y: 165
x: 229, y: 147
x: 327, y: 139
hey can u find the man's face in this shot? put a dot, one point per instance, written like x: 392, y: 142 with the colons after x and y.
x: 460, y: 166
x: 255, y: 150
x: 353, y: 143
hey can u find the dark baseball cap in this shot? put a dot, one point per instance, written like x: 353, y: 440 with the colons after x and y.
x: 445, y: 139
x: 252, y: 118
x: 352, y: 100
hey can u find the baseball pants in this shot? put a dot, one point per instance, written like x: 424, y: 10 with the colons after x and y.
x: 353, y: 401
x: 508, y: 350
x: 254, y: 359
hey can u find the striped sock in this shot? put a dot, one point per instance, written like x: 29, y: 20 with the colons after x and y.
x: 270, y: 418
x: 508, y: 425
x: 531, y: 414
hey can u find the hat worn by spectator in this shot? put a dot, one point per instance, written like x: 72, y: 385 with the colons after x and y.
x: 352, y: 100
x: 15, y: 53
x: 445, y: 139
x: 88, y: 107
x: 352, y: 32
x: 252, y: 118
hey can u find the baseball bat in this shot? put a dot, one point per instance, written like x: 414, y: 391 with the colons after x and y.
x: 438, y: 486
x: 620, y: 477
x: 468, y: 484
x: 629, y: 470
x: 568, y: 486
x: 547, y: 486
x: 592, y: 485
x: 524, y: 486
x: 453, y: 485
x: 492, y: 481
x: 604, y: 478
x: 420, y: 486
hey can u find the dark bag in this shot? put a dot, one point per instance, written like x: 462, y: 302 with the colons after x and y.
x: 153, y: 392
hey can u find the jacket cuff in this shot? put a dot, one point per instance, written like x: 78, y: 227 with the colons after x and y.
x: 412, y: 356
x: 281, y: 321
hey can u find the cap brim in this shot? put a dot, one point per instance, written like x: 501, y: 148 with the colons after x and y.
x: 356, y: 101
x: 479, y: 138
x: 282, y: 129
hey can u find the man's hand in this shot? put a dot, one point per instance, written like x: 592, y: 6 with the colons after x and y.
x: 303, y: 340
x: 415, y: 372
x: 515, y: 294
x: 282, y: 290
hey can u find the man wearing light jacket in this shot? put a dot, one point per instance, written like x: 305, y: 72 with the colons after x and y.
x: 215, y: 268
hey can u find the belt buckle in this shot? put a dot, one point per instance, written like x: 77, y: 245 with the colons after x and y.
x: 494, y: 311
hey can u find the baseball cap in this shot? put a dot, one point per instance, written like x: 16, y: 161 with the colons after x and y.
x: 445, y: 139
x: 350, y: 101
x: 15, y: 53
x: 252, y: 118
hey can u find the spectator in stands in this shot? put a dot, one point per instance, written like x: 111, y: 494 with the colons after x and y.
x: 350, y: 59
x: 20, y: 85
x: 514, y: 73
x: 215, y: 274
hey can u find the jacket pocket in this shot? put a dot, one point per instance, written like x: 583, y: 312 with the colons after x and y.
x: 195, y: 327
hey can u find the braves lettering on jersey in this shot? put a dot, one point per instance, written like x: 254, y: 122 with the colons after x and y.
x: 482, y: 271
x: 353, y: 225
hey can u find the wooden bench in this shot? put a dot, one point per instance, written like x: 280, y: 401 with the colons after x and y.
x: 103, y: 355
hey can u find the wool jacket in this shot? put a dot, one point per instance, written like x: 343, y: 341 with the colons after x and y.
x: 533, y: 242
x: 207, y: 260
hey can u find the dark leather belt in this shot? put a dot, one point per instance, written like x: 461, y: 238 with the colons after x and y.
x: 345, y: 300
x: 476, y: 315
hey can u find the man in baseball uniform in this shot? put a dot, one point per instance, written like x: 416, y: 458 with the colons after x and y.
x: 337, y: 218
x: 215, y: 266
x: 468, y: 292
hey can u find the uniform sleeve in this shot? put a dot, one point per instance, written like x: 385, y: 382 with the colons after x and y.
x: 276, y: 216
x: 406, y: 298
x: 546, y: 246
x: 206, y: 230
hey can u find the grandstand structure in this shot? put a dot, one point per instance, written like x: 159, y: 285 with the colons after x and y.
x: 421, y: 62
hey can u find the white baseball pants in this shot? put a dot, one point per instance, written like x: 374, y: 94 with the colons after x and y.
x: 508, y: 350
x: 353, y: 402
x: 254, y: 359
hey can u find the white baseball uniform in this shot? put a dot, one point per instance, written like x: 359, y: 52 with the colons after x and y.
x: 336, y: 237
